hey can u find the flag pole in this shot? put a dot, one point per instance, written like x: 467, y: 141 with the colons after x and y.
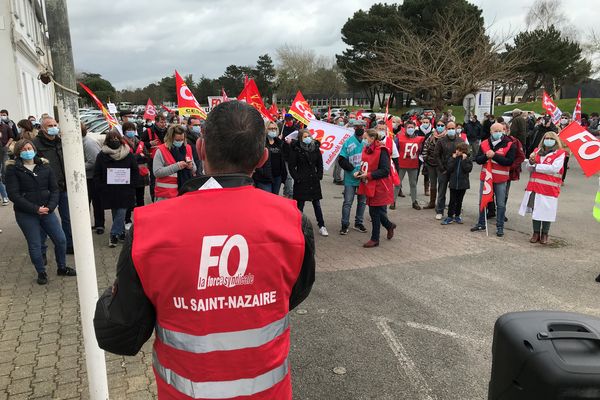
x: 487, y: 233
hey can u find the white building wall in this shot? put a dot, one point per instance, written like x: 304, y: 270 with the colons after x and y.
x: 25, y: 50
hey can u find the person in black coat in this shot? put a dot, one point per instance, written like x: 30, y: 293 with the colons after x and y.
x: 32, y: 187
x: 306, y: 167
x: 459, y: 166
x: 116, y: 174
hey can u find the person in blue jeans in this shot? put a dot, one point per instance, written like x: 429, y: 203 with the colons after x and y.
x: 33, y: 189
x: 349, y: 159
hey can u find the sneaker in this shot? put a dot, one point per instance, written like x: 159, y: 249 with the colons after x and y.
x: 66, y: 271
x: 45, y: 258
x: 5, y: 201
x: 42, y: 278
x: 360, y: 227
x: 447, y: 221
x: 344, y: 230
x: 99, y: 230
x: 121, y: 237
x: 478, y: 228
x: 458, y: 220
x: 113, y: 241
x: 438, y: 216
x: 323, y: 231
x: 70, y: 250
x: 500, y: 232
x: 416, y: 206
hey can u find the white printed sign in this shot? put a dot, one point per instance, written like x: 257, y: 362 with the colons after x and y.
x: 111, y: 108
x: 332, y: 138
x: 118, y: 176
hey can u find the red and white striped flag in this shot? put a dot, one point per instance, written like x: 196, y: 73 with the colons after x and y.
x: 577, y: 111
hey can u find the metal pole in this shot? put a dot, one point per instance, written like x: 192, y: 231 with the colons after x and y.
x: 68, y: 115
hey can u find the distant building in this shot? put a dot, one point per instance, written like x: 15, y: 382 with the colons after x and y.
x: 590, y: 88
x: 24, y: 53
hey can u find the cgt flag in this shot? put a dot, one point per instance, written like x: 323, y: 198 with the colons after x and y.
x: 186, y: 102
x: 584, y: 146
x: 331, y: 137
x: 552, y: 109
x: 301, y: 110
x: 487, y: 195
x: 150, y: 112
x: 251, y: 95
x: 109, y: 118
x: 577, y: 111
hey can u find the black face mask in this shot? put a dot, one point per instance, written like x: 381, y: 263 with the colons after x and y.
x: 359, y: 131
x: 114, y: 144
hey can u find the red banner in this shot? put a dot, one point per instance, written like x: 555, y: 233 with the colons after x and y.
x: 150, y: 112
x: 273, y: 110
x: 552, y: 109
x: 251, y: 95
x: 584, y: 146
x: 487, y: 195
x: 301, y: 110
x: 186, y: 102
x: 577, y: 111
x: 109, y: 118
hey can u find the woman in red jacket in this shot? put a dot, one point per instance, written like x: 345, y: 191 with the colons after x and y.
x: 376, y: 184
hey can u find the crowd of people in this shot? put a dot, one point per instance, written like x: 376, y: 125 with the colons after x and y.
x: 162, y: 155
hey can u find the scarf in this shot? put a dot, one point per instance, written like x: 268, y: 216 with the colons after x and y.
x: 117, y: 154
x: 438, y: 135
x: 183, y: 175
x: 309, y: 147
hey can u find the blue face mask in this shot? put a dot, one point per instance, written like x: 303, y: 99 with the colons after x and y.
x: 365, y: 142
x: 307, y: 140
x: 130, y: 134
x: 425, y: 126
x: 497, y: 136
x: 451, y: 133
x: 27, y: 154
x: 272, y: 134
x: 440, y: 129
x: 53, y: 131
x: 549, y: 142
x: 178, y: 143
x: 196, y: 129
x: 410, y: 131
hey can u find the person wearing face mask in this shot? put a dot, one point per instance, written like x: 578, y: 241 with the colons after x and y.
x: 153, y: 137
x: 91, y: 148
x: 142, y: 158
x: 116, y: 176
x: 474, y: 131
x: 289, y: 126
x: 349, y: 160
x: 4, y: 119
x: 500, y: 152
x: 432, y: 162
x: 444, y: 148
x: 49, y: 146
x: 173, y: 164
x: 26, y: 129
x: 518, y: 126
x: 275, y: 146
x: 194, y: 129
x: 545, y: 125
x: 390, y: 143
x: 6, y: 141
x: 306, y: 167
x: 33, y: 189
x: 423, y: 129
x: 376, y: 184
x: 546, y: 165
x: 410, y: 147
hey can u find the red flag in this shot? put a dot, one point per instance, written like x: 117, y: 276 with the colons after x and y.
x: 487, y: 195
x: 577, y: 112
x: 283, y: 112
x: 224, y: 95
x: 150, y: 112
x: 387, y: 119
x: 109, y: 118
x: 359, y: 115
x: 273, y: 110
x: 300, y: 109
x: 186, y: 102
x: 584, y: 146
x: 251, y: 95
x: 167, y: 109
x: 552, y: 109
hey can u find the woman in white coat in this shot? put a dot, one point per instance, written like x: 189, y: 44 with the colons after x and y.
x: 546, y: 165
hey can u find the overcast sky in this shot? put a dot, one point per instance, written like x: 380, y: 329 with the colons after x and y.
x: 203, y: 37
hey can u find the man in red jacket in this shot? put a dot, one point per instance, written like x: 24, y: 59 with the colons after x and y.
x: 219, y: 294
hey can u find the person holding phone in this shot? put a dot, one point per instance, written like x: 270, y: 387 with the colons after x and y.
x: 32, y: 187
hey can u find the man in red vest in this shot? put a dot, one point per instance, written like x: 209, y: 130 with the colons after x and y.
x: 217, y: 284
x: 153, y: 137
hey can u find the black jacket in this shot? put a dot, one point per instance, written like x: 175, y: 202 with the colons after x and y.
x: 263, y: 174
x: 191, y: 139
x: 474, y: 130
x: 534, y: 140
x: 156, y: 132
x: 29, y: 190
x: 306, y: 167
x: 506, y: 160
x: 458, y: 172
x: 444, y: 148
x: 115, y: 196
x: 124, y: 319
x: 52, y: 151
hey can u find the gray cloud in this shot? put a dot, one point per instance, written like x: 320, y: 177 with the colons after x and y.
x: 203, y: 37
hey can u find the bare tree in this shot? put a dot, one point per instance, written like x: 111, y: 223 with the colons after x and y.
x: 453, y: 60
x: 546, y: 13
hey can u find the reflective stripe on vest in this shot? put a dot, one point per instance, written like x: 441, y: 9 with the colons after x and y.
x: 223, y: 341
x: 544, y: 182
x: 221, y: 389
x: 500, y: 173
x: 167, y: 185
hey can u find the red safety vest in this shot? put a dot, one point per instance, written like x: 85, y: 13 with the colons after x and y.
x: 546, y: 184
x: 379, y: 192
x: 152, y: 136
x: 143, y: 168
x: 221, y: 292
x: 409, y: 149
x: 500, y: 173
x: 389, y: 143
x: 463, y: 136
x: 166, y: 187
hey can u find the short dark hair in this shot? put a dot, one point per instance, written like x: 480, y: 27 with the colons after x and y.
x: 113, y: 134
x: 159, y: 117
x: 189, y: 120
x: 19, y: 146
x: 4, y: 112
x: 25, y: 124
x: 234, y: 137
x: 128, y: 126
x: 462, y: 147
